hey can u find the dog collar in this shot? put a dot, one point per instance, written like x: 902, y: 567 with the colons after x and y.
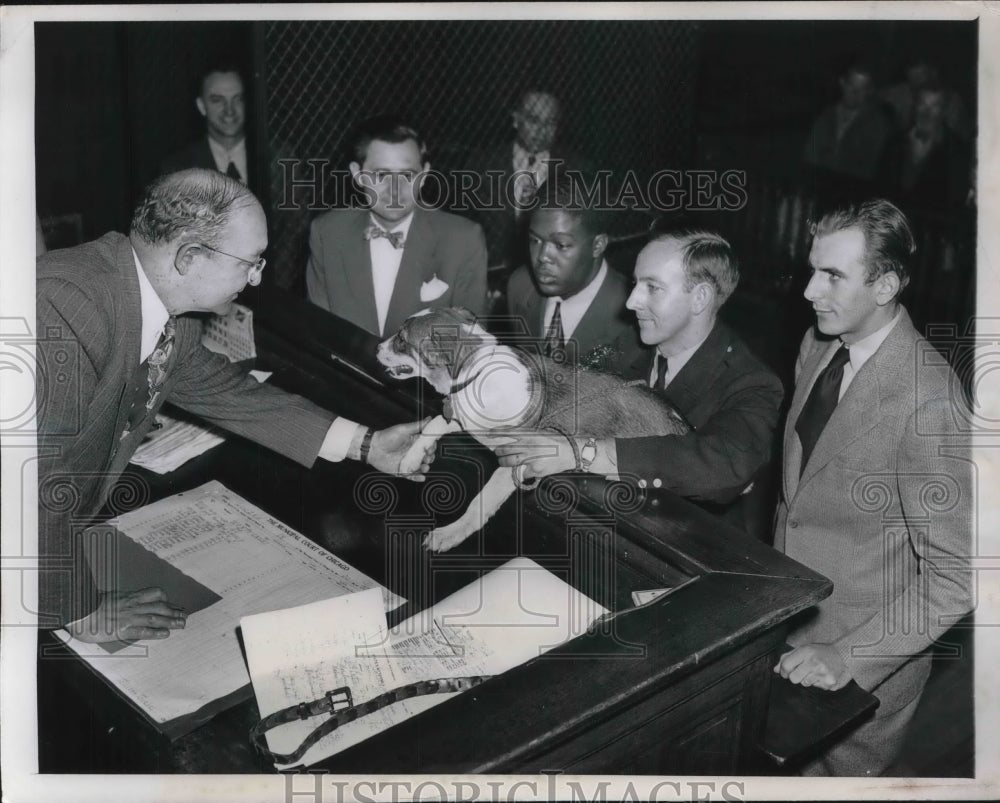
x: 447, y: 409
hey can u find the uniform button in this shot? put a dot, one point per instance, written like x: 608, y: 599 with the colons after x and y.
x: 794, y: 523
x: 642, y: 483
x: 657, y: 483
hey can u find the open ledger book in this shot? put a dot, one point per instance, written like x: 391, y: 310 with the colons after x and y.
x: 505, y: 618
x: 222, y: 558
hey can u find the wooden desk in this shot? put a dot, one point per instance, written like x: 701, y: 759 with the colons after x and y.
x: 680, y: 686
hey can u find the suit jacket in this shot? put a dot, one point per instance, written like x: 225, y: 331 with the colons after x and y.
x: 195, y: 154
x: 884, y: 509
x: 732, y: 400
x: 89, y: 319
x: 438, y: 245
x: 859, y: 151
x: 606, y: 321
x: 491, y: 205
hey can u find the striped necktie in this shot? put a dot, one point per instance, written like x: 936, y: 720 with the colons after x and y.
x: 554, y: 334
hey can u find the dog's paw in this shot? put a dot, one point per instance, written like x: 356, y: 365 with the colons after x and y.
x: 441, y: 539
x: 415, y: 455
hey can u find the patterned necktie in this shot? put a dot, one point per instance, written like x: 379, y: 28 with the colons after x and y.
x: 158, y: 360
x: 156, y: 372
x: 661, y: 373
x: 233, y: 171
x: 819, y: 406
x: 394, y: 237
x: 554, y: 334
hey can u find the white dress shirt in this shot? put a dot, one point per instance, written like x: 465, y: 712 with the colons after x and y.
x: 859, y: 353
x: 575, y: 307
x: 385, y: 266
x: 674, y: 363
x: 223, y: 156
x: 154, y: 317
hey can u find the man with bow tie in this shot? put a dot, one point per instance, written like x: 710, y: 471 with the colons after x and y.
x: 115, y: 343
x: 877, y: 489
x: 377, y: 264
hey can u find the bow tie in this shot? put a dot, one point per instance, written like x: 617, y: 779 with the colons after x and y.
x: 394, y: 237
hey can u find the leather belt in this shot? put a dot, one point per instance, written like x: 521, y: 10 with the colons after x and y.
x: 340, y: 704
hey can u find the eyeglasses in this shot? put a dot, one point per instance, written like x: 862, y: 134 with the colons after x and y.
x: 256, y: 266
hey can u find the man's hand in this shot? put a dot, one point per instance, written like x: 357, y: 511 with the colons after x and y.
x: 819, y: 665
x: 390, y: 445
x: 130, y: 616
x: 541, y: 454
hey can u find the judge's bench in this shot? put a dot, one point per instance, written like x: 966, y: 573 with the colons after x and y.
x: 682, y: 685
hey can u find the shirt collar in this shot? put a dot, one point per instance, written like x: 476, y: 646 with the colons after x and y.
x: 227, y: 155
x: 154, y: 314
x: 583, y: 298
x: 860, y: 352
x: 521, y: 154
x: 403, y: 226
x: 679, y: 360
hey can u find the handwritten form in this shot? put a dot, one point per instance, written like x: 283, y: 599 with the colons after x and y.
x: 252, y: 560
x: 505, y: 618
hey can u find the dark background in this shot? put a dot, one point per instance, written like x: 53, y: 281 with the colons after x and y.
x: 114, y: 99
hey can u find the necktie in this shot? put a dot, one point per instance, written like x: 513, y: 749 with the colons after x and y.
x: 661, y: 373
x: 233, y: 171
x: 554, y: 334
x: 156, y: 372
x: 394, y: 237
x: 819, y: 406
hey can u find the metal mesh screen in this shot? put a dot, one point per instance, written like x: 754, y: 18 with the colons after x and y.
x: 626, y: 89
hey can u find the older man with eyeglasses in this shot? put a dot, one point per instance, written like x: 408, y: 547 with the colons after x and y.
x: 115, y: 342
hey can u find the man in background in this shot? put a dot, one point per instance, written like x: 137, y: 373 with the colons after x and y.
x: 509, y: 177
x: 850, y: 136
x: 221, y: 101
x: 377, y: 265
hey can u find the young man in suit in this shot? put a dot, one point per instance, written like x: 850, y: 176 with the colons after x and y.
x: 378, y: 265
x: 877, y: 487
x: 569, y: 293
x: 702, y: 367
x: 117, y: 343
x: 221, y: 102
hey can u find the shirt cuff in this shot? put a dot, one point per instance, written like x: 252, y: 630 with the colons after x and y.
x: 338, y: 439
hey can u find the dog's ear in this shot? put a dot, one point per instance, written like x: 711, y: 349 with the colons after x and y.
x: 439, y: 348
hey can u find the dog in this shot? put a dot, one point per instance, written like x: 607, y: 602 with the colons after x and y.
x: 489, y: 388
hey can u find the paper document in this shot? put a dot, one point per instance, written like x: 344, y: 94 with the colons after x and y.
x: 252, y: 561
x: 504, y: 619
x: 231, y: 334
x: 174, y: 444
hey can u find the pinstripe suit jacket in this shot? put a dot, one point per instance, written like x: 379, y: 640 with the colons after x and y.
x: 884, y: 509
x: 89, y: 327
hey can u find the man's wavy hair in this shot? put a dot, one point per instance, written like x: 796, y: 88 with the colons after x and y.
x: 707, y: 258
x: 193, y: 205
x: 889, y: 242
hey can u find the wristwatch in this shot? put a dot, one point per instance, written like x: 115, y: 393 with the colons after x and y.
x: 588, y: 454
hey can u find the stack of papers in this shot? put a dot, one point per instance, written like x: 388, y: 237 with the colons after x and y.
x: 172, y: 445
x: 249, y: 560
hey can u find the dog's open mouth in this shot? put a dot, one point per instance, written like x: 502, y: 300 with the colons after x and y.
x: 399, y: 370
